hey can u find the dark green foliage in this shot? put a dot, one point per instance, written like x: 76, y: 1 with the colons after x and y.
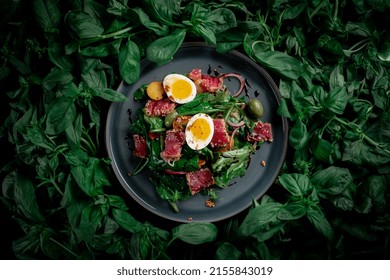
x: 59, y: 69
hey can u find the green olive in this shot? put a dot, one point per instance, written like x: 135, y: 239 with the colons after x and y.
x: 170, y: 118
x: 255, y: 108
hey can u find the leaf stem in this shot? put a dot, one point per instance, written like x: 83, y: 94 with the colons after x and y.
x: 116, y: 33
x: 174, y: 206
x: 63, y: 247
x: 88, y: 142
x: 357, y: 47
x: 57, y: 187
x: 363, y: 135
x: 141, y: 165
x: 105, y: 36
x: 51, y: 181
x: 336, y: 11
x: 317, y: 9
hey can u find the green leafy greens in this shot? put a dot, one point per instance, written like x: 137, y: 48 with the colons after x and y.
x: 225, y: 163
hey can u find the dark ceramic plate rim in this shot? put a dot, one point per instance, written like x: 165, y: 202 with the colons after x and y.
x: 157, y: 205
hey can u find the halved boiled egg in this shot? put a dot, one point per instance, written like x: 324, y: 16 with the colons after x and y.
x: 199, y: 131
x: 179, y: 88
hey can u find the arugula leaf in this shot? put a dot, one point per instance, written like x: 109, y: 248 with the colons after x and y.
x: 231, y: 164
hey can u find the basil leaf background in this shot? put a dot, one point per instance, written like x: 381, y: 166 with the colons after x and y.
x: 59, y: 71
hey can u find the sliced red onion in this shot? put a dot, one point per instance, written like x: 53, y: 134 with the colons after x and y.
x: 232, y: 136
x: 235, y: 125
x: 173, y: 172
x: 237, y: 76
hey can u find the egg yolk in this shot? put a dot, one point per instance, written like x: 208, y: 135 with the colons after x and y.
x: 181, y: 89
x: 200, y: 129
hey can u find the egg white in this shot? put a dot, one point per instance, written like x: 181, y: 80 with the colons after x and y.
x: 204, y: 125
x: 171, y: 90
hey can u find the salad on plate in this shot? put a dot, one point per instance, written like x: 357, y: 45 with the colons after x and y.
x: 194, y: 135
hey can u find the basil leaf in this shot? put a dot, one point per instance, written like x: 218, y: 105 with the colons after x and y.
x: 162, y: 10
x: 336, y: 100
x: 109, y: 94
x: 47, y: 14
x: 219, y: 20
x: 83, y: 24
x: 162, y: 50
x: 25, y: 197
x: 129, y: 62
x: 262, y: 222
x: 292, y: 211
x: 297, y: 184
x: 126, y: 220
x: 279, y: 62
x: 161, y: 30
x: 319, y: 221
x: 299, y: 136
x: 195, y: 233
x: 60, y: 115
x: 227, y: 251
x: 360, y: 153
x: 332, y: 180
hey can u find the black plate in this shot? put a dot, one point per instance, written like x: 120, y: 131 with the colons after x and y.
x: 239, y: 195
